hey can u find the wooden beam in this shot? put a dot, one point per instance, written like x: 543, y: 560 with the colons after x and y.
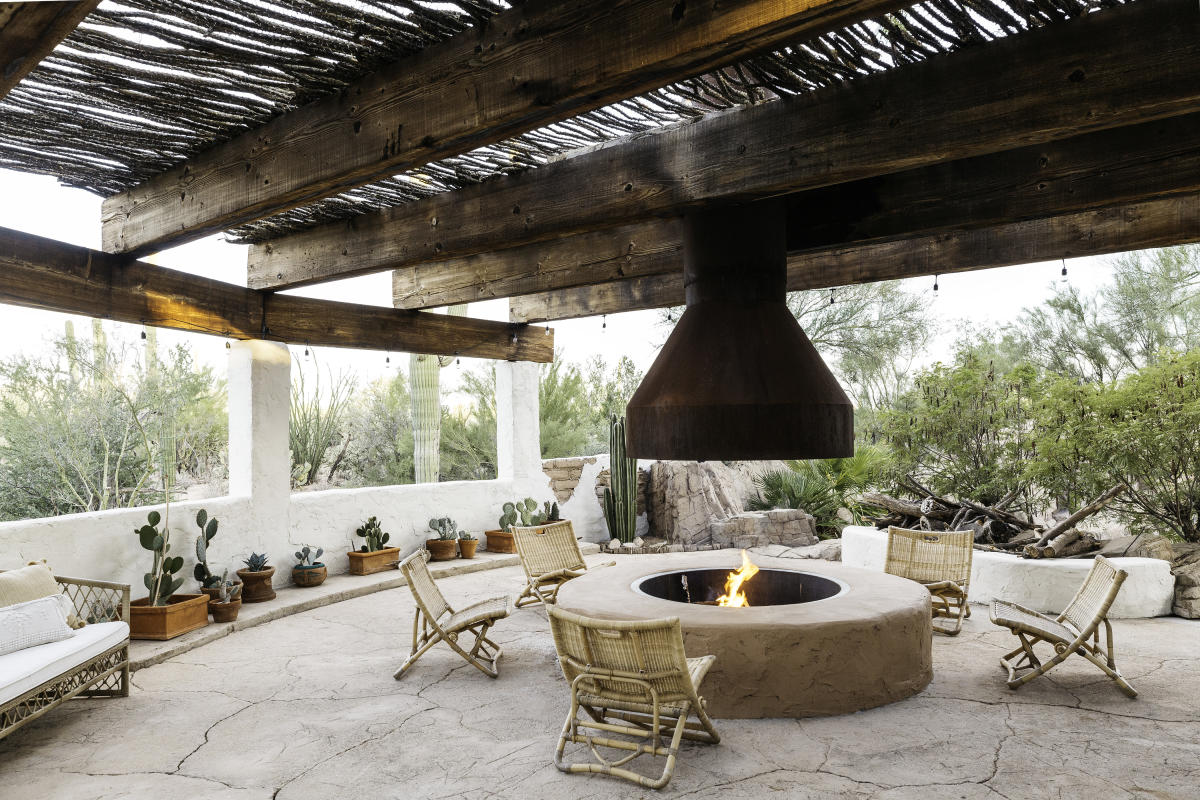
x: 538, y: 63
x: 1096, y: 170
x: 1116, y: 67
x: 1154, y: 223
x: 47, y: 274
x: 30, y: 31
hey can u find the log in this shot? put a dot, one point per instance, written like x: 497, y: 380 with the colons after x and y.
x: 1058, y: 544
x: 903, y: 508
x: 29, y: 31
x: 1091, y: 508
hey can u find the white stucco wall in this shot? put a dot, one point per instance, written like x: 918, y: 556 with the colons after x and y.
x: 1045, y: 585
x: 584, y: 510
x: 264, y: 515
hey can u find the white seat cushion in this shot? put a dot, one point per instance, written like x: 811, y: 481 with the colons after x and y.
x: 29, y: 668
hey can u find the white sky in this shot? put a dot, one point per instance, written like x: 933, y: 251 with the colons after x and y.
x: 38, y: 205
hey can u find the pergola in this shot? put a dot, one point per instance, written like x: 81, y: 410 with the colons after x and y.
x: 546, y: 152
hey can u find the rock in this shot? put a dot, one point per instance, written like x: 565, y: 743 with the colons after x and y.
x: 781, y: 526
x: 827, y: 550
x: 845, y: 515
x: 639, y: 541
x: 614, y: 543
x: 687, y: 496
x: 1186, y: 567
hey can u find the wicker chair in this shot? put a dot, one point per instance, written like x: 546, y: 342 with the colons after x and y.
x: 105, y: 674
x: 941, y: 562
x: 632, y: 679
x: 1068, y: 632
x: 550, y: 556
x: 435, y: 621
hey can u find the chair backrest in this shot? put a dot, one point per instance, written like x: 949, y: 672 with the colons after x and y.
x: 928, y: 556
x: 548, y: 548
x: 1091, y: 603
x: 604, y: 650
x: 425, y: 591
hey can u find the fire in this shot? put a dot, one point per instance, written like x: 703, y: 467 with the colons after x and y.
x: 734, y: 597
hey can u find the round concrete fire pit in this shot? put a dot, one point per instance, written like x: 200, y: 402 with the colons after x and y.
x: 838, y: 639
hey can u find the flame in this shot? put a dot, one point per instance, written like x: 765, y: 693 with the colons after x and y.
x: 734, y: 597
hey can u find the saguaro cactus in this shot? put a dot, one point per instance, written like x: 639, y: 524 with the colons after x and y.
x: 425, y: 390
x: 620, y: 497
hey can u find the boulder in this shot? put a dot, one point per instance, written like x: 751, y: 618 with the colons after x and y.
x: 782, y: 526
x: 686, y: 497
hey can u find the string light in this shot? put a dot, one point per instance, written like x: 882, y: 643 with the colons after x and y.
x: 143, y: 331
x: 306, y: 349
x: 387, y: 359
x: 604, y: 321
x: 831, y: 297
x: 547, y: 330
x: 228, y: 346
x: 1064, y: 269
x: 935, y: 283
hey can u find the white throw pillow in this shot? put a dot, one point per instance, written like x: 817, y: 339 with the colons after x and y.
x: 32, y: 623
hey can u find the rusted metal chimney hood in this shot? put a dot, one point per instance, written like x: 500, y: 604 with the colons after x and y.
x: 738, y: 379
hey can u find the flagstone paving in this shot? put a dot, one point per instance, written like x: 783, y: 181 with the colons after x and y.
x: 306, y: 707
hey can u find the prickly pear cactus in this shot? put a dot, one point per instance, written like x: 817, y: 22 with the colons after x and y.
x: 509, y: 517
x: 445, y: 528
x: 208, y: 529
x: 160, y: 581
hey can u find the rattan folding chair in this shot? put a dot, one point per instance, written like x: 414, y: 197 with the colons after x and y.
x: 1068, y: 632
x: 631, y: 679
x: 941, y: 562
x: 435, y: 621
x: 550, y: 556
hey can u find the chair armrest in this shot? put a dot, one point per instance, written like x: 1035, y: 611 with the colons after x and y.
x: 97, y: 601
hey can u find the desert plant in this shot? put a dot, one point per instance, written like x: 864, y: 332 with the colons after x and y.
x: 160, y: 581
x: 257, y: 562
x: 525, y: 511
x: 228, y: 590
x: 208, y: 529
x: 552, y: 513
x: 307, y: 556
x: 372, y: 532
x: 445, y: 528
x: 466, y: 537
x: 620, y: 496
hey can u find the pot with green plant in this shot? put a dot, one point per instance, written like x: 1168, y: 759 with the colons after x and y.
x: 256, y: 579
x: 210, y: 584
x: 228, y: 600
x: 445, y: 546
x: 466, y: 545
x: 163, y: 614
x: 373, y: 555
x: 308, y: 570
x: 524, y: 513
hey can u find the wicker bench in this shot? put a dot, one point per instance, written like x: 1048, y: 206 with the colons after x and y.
x: 92, y: 663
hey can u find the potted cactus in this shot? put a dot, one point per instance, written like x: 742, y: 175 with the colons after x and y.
x: 524, y: 513
x: 308, y: 570
x: 373, y: 555
x: 256, y: 579
x: 445, y: 546
x: 210, y: 584
x: 466, y: 545
x: 228, y: 600
x: 164, y: 614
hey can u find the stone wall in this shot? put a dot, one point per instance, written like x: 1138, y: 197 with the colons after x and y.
x: 687, y: 496
x: 564, y: 475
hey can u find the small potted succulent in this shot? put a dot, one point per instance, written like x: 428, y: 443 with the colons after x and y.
x: 466, y: 545
x: 308, y: 570
x: 210, y: 584
x: 228, y: 601
x: 373, y: 556
x: 445, y: 546
x: 523, y: 512
x: 256, y: 579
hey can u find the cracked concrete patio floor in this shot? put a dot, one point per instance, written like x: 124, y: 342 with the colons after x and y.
x: 305, y: 707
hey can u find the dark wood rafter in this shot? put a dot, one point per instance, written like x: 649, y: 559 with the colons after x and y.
x: 30, y: 31
x: 1119, y: 67
x: 47, y: 274
x: 1096, y: 170
x: 1153, y: 223
x: 538, y: 63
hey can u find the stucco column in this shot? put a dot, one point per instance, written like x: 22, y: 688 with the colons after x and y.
x: 518, y: 434
x: 259, y: 459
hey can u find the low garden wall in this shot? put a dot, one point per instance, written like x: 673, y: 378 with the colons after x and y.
x: 1045, y: 585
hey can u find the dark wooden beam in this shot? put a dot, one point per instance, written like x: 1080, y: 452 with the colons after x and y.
x: 1096, y: 170
x: 1154, y: 223
x: 47, y: 274
x: 1116, y: 67
x: 538, y: 63
x: 29, y: 31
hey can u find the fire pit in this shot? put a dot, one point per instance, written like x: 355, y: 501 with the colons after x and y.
x: 817, y: 641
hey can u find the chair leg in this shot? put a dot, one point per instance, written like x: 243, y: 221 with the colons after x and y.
x: 485, y: 663
x: 415, y: 654
x: 528, y: 597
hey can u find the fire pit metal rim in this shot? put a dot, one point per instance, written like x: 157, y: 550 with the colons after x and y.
x: 843, y: 587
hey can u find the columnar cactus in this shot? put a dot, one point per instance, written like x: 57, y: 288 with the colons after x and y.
x: 620, y: 497
x: 425, y: 391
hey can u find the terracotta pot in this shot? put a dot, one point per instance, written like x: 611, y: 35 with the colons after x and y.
x: 214, y: 595
x: 256, y: 586
x: 500, y: 542
x: 442, y: 549
x: 182, y: 613
x: 225, y: 612
x: 309, y: 576
x: 467, y: 547
x: 377, y: 561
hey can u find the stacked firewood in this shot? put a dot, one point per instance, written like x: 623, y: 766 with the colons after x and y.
x: 995, y: 528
